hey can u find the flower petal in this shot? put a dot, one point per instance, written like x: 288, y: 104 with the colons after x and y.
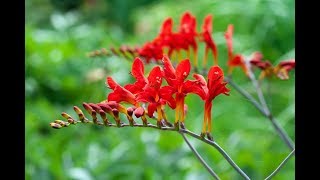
x: 193, y: 86
x: 121, y: 94
x: 183, y: 70
x: 151, y: 108
x: 207, y: 24
x: 169, y: 71
x: 228, y: 36
x: 155, y: 77
x: 166, y: 27
x: 111, y: 83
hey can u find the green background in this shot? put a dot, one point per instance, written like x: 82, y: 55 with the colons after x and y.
x: 58, y: 34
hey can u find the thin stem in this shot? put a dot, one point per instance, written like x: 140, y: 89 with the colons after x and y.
x: 257, y: 87
x: 211, y: 143
x: 281, y: 165
x: 220, y: 149
x: 246, y: 95
x: 203, y: 162
x: 281, y: 132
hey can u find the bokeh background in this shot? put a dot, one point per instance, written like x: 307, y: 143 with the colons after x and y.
x: 59, y: 33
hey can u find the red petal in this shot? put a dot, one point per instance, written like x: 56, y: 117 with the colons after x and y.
x: 121, y: 94
x: 112, y: 84
x: 166, y: 26
x: 237, y: 60
x: 166, y: 93
x: 138, y: 69
x: 201, y: 79
x: 183, y: 70
x: 155, y: 77
x: 207, y: 24
x: 215, y: 75
x: 151, y: 108
x: 228, y: 36
x: 288, y: 64
x: 192, y: 86
x: 168, y: 69
x: 187, y: 23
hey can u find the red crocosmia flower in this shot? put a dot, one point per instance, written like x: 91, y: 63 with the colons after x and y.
x: 188, y: 34
x: 137, y: 72
x: 233, y: 60
x: 215, y: 86
x: 207, y: 38
x: 154, y: 95
x: 151, y: 51
x: 119, y: 94
x: 177, y: 84
x: 165, y: 35
x: 282, y: 69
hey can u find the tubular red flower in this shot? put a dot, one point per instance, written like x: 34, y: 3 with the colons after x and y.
x: 233, y: 60
x: 215, y: 86
x: 283, y: 68
x: 207, y: 38
x: 138, y: 73
x: 176, y: 81
x: 153, y: 94
x: 119, y: 94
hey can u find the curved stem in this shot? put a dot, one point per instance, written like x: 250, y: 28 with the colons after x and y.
x: 281, y: 165
x: 180, y: 130
x: 281, y: 132
x: 203, y: 162
x: 220, y: 149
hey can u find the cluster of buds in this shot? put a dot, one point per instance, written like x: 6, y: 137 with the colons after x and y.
x: 124, y: 51
x: 148, y: 97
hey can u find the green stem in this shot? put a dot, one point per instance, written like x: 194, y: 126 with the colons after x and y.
x: 281, y: 165
x: 203, y: 162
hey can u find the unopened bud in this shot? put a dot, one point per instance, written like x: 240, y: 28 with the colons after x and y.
x: 104, y: 51
x: 105, y: 107
x: 62, y: 123
x: 87, y: 107
x: 130, y: 111
x: 139, y: 112
x: 113, y: 50
x: 71, y: 121
x: 65, y: 115
x: 104, y: 117
x: 115, y: 112
x: 55, y: 125
x: 80, y: 114
x: 95, y: 107
x: 113, y: 104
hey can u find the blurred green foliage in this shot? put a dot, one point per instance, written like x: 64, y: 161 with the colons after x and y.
x: 58, y: 76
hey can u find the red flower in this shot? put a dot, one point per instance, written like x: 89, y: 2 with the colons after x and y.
x: 177, y: 84
x: 151, y: 51
x: 188, y: 34
x: 281, y: 70
x: 137, y: 72
x: 207, y: 38
x: 233, y: 60
x: 215, y: 86
x: 155, y: 95
x: 284, y: 67
x: 119, y: 94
